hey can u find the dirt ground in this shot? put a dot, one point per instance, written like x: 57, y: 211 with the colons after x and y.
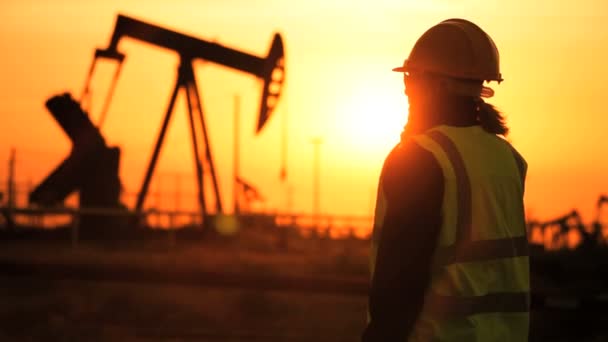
x: 36, y: 308
x: 68, y: 310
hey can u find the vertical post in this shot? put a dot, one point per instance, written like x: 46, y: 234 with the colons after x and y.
x: 283, y: 172
x: 33, y: 218
x: 171, y: 230
x: 316, y: 181
x: 289, y: 200
x: 173, y: 222
x: 178, y: 194
x: 75, y: 227
x: 236, y: 162
x: 11, y: 179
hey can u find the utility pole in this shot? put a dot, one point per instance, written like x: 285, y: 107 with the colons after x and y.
x: 289, y: 199
x: 236, y: 156
x: 284, y: 133
x: 283, y: 171
x: 316, y: 187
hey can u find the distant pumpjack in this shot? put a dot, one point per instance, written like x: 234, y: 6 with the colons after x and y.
x: 270, y: 69
x: 597, y: 222
x: 590, y: 238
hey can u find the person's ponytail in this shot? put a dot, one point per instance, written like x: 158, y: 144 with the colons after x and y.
x: 491, y: 119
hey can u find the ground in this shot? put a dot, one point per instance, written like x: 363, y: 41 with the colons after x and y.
x: 229, y: 289
x: 71, y: 307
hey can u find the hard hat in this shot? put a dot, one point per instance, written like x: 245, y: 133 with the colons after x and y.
x: 456, y: 48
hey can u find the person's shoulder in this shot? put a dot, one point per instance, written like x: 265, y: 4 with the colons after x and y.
x: 519, y: 158
x: 407, y: 151
x: 409, y: 157
x: 411, y: 169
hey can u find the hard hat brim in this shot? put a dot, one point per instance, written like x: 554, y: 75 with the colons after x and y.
x: 402, y: 68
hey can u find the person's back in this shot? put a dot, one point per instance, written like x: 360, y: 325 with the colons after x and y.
x: 450, y: 257
x: 479, y: 285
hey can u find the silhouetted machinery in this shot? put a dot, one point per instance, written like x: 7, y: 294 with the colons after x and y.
x: 569, y: 284
x: 590, y: 236
x: 564, y: 225
x: 92, y: 167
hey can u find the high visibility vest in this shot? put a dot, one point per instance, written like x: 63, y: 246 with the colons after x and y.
x: 479, y: 288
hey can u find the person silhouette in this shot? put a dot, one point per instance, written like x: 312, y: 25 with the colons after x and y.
x: 449, y: 258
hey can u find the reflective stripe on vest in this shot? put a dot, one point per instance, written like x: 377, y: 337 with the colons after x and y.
x: 461, y: 255
x: 466, y: 250
x: 463, y: 186
x: 481, y: 251
x: 450, y: 306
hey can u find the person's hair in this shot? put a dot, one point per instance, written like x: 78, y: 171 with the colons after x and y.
x: 491, y: 119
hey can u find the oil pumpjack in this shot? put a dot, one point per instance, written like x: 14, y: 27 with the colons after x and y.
x: 557, y: 230
x: 92, y: 166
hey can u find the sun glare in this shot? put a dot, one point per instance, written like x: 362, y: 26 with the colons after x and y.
x: 374, y: 119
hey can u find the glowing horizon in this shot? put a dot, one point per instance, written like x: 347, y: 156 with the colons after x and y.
x: 338, y: 86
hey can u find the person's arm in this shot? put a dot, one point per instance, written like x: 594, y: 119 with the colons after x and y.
x: 413, y: 187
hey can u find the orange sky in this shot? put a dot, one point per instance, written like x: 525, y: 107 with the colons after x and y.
x: 339, y: 86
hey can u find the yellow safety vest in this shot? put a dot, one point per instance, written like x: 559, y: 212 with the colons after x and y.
x: 480, y: 287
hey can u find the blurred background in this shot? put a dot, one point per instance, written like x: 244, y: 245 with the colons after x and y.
x: 284, y: 192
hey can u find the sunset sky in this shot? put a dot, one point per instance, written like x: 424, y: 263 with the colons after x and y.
x: 339, y: 86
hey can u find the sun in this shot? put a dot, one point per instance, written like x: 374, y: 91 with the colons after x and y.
x: 372, y: 118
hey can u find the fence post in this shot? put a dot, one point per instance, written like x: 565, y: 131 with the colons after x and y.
x: 171, y: 230
x: 75, y: 227
x: 282, y: 231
